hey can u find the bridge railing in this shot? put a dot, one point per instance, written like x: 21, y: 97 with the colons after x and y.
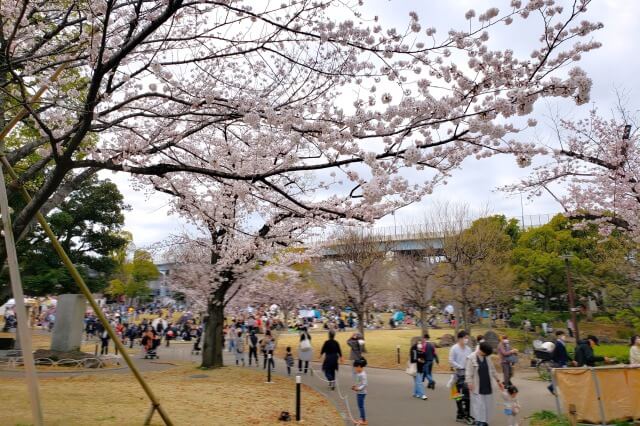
x: 412, y: 231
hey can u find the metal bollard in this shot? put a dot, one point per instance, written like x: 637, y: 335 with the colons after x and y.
x: 398, y: 353
x: 298, y: 397
x: 96, y: 350
x: 269, y: 368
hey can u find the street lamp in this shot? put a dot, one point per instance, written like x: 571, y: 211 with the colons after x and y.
x: 572, y: 296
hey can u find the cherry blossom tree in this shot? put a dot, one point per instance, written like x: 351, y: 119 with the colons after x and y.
x: 262, y: 98
x: 280, y: 110
x: 594, y: 172
x: 282, y: 285
x: 218, y: 261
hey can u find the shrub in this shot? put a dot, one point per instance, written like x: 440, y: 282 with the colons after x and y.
x: 625, y: 333
x: 548, y: 418
x: 603, y: 320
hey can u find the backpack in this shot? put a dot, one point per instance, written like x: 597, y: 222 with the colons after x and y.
x: 305, y: 345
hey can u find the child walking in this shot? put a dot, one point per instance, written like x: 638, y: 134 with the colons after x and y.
x: 360, y: 387
x: 288, y: 359
x: 511, y: 404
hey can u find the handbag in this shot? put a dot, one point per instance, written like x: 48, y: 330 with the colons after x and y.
x: 412, y: 368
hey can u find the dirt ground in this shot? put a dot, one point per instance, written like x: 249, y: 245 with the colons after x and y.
x: 228, y: 396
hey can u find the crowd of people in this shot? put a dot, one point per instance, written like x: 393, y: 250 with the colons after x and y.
x: 148, y: 333
x: 474, y: 384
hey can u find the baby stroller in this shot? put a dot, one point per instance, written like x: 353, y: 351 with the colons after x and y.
x: 463, y: 403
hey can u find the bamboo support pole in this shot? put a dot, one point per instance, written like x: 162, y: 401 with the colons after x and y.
x: 67, y: 261
x: 23, y: 331
x: 87, y: 293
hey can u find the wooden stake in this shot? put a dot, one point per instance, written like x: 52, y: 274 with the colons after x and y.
x: 24, y: 332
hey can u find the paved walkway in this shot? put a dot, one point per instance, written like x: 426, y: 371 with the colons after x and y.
x: 389, y: 401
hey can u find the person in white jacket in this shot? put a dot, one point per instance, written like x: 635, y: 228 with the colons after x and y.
x: 478, y: 374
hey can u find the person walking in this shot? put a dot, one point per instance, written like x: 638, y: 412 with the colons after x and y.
x: 458, y: 355
x: 508, y: 358
x: 252, y: 342
x: 559, y: 357
x: 332, y: 354
x: 511, y: 404
x: 268, y: 345
x: 417, y: 357
x: 305, y: 351
x: 288, y: 360
x: 232, y: 335
x: 634, y: 351
x: 356, y: 345
x: 478, y: 374
x: 585, y: 355
x: 239, y: 348
x: 104, y: 339
x: 430, y: 356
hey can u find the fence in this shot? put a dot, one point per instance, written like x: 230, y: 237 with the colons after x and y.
x: 412, y: 231
x: 599, y: 395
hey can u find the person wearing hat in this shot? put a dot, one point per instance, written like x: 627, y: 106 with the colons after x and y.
x: 585, y: 355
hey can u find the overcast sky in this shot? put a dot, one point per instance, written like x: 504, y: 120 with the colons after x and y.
x: 613, y: 67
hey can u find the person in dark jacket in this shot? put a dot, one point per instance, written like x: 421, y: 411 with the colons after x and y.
x: 332, y: 356
x: 559, y: 357
x: 585, y: 355
x: 430, y: 355
x: 418, y: 358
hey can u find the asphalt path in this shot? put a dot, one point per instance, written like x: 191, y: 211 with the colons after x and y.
x: 389, y: 400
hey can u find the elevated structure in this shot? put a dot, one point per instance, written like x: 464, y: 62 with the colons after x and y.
x: 407, y: 238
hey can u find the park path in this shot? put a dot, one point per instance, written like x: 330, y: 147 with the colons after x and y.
x: 389, y: 401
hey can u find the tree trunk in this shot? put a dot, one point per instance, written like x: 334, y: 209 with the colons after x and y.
x: 361, y: 322
x: 547, y: 298
x: 465, y: 317
x: 286, y: 320
x: 423, y: 321
x: 212, y: 348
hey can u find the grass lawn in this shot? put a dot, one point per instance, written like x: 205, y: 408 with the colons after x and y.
x: 228, y: 396
x: 380, y: 345
x: 43, y: 341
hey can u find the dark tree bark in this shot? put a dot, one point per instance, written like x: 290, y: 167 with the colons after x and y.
x: 213, y: 346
